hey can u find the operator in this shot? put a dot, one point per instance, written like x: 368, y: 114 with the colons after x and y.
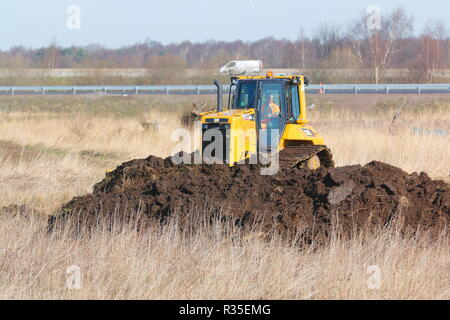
x: 269, y: 111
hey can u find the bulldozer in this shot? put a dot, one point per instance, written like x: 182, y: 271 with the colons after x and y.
x: 265, y: 113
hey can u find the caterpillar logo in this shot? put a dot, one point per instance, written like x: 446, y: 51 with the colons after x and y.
x: 308, y: 132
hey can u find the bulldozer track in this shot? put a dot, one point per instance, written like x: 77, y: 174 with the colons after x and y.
x: 296, y: 156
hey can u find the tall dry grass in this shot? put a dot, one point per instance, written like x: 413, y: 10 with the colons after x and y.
x: 48, y: 156
x: 360, y: 136
x: 168, y: 264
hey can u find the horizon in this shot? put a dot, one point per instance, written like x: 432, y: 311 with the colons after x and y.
x: 113, y: 25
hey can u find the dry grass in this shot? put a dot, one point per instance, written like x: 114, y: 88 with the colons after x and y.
x: 47, y: 157
x: 165, y: 264
x: 360, y: 136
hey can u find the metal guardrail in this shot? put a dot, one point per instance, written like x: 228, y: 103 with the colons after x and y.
x: 379, y: 89
x: 210, y: 89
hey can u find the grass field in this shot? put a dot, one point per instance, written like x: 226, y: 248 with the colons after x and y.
x: 55, y: 148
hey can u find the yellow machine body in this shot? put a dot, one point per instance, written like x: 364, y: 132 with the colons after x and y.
x: 240, y: 125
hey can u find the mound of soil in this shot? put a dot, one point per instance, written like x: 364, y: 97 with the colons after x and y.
x: 356, y: 197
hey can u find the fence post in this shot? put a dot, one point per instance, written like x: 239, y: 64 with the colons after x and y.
x: 387, y: 89
x: 356, y: 89
x: 419, y: 89
x: 167, y: 89
x: 198, y: 89
x: 74, y: 90
x: 43, y: 90
x: 136, y: 90
x: 12, y: 91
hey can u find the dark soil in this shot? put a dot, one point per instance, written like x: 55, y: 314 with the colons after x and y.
x: 357, y: 197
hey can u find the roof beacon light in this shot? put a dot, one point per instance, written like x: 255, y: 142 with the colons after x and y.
x: 269, y: 74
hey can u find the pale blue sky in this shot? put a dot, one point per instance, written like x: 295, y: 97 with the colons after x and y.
x: 115, y: 23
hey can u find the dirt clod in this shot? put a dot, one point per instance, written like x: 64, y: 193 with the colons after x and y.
x: 153, y: 190
x: 339, y: 194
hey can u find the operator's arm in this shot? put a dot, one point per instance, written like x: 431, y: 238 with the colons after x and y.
x: 275, y: 109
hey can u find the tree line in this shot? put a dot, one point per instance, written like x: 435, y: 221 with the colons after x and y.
x: 331, y: 46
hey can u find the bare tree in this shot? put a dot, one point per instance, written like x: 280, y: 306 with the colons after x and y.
x: 51, y: 56
x: 377, y: 47
x: 358, y: 33
x: 301, y: 42
x: 328, y: 36
x: 432, y: 53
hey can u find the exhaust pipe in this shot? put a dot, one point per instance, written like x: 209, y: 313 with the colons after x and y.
x: 219, y: 96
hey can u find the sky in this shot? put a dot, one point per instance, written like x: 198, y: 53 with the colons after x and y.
x: 117, y: 23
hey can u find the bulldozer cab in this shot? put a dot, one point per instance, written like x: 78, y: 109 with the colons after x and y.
x: 265, y: 114
x: 276, y: 101
x: 287, y: 92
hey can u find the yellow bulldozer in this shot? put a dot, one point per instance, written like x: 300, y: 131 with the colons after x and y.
x: 266, y: 113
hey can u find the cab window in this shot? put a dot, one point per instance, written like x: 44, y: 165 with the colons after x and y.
x: 272, y: 93
x: 295, y: 102
x: 272, y: 97
x: 246, y: 97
